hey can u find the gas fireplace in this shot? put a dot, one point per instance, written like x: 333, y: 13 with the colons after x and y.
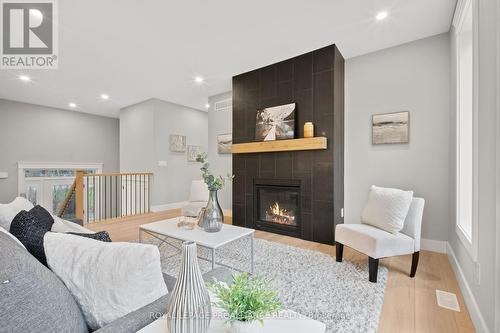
x: 276, y: 214
x: 277, y: 206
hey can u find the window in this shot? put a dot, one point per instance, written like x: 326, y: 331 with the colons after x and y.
x: 466, y: 46
x: 47, y: 184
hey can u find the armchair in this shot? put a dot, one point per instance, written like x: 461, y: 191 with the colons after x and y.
x: 377, y: 243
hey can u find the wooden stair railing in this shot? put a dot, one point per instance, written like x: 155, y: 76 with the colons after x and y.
x: 108, y: 195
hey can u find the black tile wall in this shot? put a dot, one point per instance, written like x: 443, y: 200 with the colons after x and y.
x: 315, y: 82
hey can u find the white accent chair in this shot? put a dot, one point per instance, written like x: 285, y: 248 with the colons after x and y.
x: 198, y: 198
x: 377, y: 243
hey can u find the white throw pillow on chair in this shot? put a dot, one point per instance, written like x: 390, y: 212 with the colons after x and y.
x: 387, y: 208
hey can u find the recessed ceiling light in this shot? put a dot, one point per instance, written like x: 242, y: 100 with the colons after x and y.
x: 72, y: 105
x: 198, y: 79
x: 105, y: 96
x: 207, y: 105
x: 381, y: 15
x: 24, y: 78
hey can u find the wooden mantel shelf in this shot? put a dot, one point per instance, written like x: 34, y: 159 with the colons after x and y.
x: 280, y: 145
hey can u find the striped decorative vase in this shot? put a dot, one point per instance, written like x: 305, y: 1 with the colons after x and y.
x: 188, y: 307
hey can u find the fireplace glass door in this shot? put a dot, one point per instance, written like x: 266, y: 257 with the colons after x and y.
x: 278, y: 205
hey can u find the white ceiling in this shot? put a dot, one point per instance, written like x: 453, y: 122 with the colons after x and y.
x: 134, y: 50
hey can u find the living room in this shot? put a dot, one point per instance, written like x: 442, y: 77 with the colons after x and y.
x: 269, y: 167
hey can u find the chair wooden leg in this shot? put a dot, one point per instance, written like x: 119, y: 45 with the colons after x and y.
x: 339, y: 251
x: 373, y: 269
x: 414, y: 263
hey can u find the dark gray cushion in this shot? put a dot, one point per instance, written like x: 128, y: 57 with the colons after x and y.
x: 32, y: 298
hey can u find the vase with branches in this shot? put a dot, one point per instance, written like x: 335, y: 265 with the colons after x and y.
x: 213, y: 217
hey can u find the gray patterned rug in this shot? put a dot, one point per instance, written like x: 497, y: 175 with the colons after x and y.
x: 308, y: 282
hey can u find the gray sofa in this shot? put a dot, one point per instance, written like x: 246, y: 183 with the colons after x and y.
x: 33, y: 299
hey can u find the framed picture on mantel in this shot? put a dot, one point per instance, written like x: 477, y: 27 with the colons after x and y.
x: 275, y: 123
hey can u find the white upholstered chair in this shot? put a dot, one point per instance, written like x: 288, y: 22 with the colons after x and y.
x: 198, y: 198
x: 377, y: 243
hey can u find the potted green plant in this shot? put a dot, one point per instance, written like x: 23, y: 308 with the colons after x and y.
x: 247, y: 301
x: 212, y: 218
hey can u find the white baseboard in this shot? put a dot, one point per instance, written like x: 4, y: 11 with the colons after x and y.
x: 470, y: 301
x: 173, y: 205
x: 433, y: 245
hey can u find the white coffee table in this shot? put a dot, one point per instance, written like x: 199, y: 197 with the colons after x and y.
x: 165, y: 229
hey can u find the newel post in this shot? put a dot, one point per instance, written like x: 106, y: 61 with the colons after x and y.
x: 79, y: 194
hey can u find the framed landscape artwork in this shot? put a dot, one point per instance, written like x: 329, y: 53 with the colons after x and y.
x: 224, y: 143
x: 275, y: 123
x: 177, y: 142
x: 390, y: 128
x: 193, y: 152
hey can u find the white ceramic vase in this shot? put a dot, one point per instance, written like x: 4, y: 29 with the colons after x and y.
x: 188, y: 307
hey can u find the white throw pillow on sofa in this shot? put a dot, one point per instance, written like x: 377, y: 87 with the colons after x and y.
x: 387, y: 208
x: 10, y: 210
x: 108, y: 280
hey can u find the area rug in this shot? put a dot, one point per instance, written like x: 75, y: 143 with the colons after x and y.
x: 308, y: 282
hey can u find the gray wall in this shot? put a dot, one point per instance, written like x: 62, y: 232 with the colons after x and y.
x: 144, y: 140
x: 411, y: 77
x: 35, y: 133
x: 487, y: 196
x: 220, y: 122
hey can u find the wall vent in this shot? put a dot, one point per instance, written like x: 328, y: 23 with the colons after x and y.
x: 224, y: 105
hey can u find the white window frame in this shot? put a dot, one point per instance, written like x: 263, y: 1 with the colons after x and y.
x: 21, y: 166
x: 469, y: 242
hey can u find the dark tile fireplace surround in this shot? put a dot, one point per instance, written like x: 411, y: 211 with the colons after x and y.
x: 297, y: 193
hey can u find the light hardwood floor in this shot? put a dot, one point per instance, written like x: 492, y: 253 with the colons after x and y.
x: 409, y: 304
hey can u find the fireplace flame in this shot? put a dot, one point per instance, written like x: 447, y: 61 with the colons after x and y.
x: 280, y: 215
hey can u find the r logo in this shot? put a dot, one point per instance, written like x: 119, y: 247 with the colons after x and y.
x: 27, y: 28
